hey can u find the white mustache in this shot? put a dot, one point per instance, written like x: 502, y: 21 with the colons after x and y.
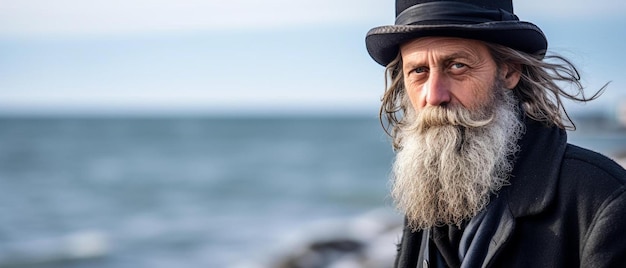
x: 436, y: 116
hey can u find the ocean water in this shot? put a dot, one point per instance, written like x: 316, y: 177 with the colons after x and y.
x: 190, y: 192
x: 179, y: 192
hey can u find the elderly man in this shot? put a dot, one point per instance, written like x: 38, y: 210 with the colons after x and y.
x: 483, y: 171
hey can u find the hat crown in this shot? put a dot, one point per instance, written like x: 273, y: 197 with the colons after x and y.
x: 507, y: 5
x: 490, y: 21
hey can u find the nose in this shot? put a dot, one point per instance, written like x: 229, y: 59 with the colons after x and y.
x: 437, y: 89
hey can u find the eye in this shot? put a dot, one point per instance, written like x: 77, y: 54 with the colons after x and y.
x: 420, y: 70
x: 458, y: 68
x: 458, y: 65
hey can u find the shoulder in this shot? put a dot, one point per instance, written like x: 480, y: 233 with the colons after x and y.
x: 598, y: 186
x: 592, y: 186
x: 586, y: 164
x: 589, y: 182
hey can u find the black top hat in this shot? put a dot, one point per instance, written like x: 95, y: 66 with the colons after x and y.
x: 486, y: 20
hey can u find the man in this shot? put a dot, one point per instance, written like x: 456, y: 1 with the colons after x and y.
x: 483, y: 170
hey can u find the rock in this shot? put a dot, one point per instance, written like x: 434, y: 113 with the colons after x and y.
x: 367, y: 241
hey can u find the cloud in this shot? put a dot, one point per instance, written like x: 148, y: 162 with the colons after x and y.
x: 71, y: 17
x: 79, y: 17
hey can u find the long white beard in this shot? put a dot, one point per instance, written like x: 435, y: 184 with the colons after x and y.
x: 451, y: 160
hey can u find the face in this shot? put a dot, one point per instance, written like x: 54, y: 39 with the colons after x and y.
x: 440, y: 71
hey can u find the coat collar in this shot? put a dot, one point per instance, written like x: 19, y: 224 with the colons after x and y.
x: 533, y: 181
x: 535, y: 175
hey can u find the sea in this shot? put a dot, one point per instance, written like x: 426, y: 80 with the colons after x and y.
x: 117, y: 192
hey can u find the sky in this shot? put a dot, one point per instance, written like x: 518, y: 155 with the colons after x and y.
x: 82, y: 57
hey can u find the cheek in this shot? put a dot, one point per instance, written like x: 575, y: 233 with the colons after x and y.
x: 471, y: 93
x: 476, y: 96
x: 414, y: 94
x: 415, y: 97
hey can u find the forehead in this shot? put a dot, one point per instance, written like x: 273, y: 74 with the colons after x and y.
x: 434, y: 47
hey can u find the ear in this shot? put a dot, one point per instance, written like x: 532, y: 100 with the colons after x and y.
x: 510, y: 75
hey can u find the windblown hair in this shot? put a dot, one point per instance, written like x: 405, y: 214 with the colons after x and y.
x: 538, y: 90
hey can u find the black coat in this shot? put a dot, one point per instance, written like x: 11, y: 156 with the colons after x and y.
x: 566, y: 208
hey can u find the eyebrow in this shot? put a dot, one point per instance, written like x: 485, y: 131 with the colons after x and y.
x: 445, y: 59
x: 457, y: 55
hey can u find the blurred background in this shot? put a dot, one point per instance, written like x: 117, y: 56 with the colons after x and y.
x: 225, y: 133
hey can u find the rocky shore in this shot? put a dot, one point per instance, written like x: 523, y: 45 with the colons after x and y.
x: 367, y: 241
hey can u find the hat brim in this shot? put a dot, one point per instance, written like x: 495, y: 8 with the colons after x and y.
x: 383, y: 42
